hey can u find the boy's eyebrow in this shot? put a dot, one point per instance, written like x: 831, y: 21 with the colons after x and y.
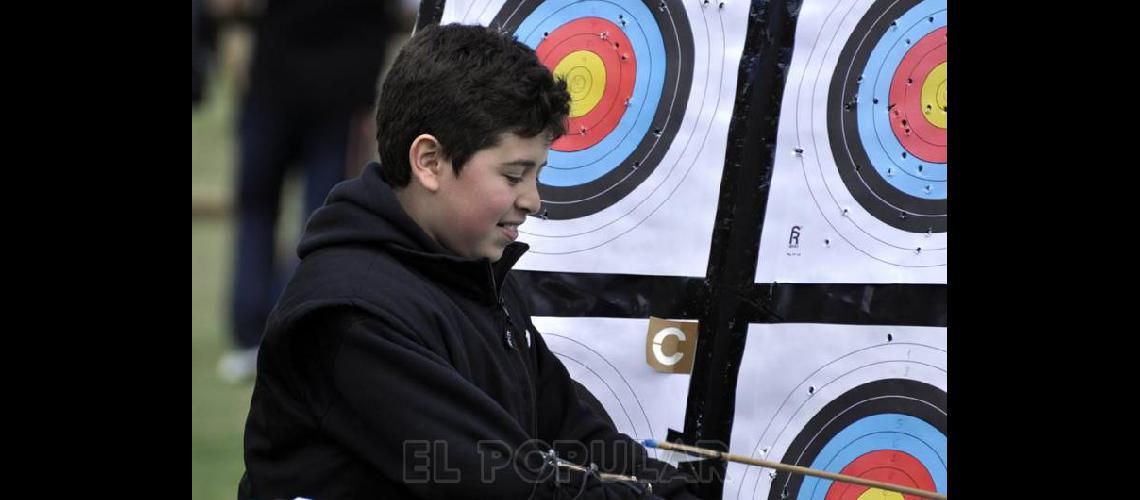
x: 522, y: 163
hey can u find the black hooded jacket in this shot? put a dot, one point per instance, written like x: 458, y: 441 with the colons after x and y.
x: 393, y: 368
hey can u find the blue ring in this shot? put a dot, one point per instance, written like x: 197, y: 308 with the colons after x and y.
x: 884, y: 149
x: 888, y: 431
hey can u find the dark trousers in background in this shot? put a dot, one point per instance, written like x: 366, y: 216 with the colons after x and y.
x: 274, y: 136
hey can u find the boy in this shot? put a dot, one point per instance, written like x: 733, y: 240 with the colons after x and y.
x: 401, y: 360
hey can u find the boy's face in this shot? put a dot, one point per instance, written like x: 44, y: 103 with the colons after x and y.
x: 480, y: 210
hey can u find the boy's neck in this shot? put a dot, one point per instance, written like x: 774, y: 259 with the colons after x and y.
x: 412, y: 199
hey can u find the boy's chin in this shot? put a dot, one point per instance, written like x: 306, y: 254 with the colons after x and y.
x: 492, y: 252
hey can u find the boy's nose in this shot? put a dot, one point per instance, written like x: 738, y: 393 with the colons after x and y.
x: 529, y: 200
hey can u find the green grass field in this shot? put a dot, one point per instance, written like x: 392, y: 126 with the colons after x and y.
x: 218, y: 409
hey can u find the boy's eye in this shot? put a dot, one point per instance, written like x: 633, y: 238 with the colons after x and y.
x: 513, y: 179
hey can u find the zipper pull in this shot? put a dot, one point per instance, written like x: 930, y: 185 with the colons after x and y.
x: 508, y: 335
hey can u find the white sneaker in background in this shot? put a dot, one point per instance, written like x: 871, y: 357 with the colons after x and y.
x: 238, y: 365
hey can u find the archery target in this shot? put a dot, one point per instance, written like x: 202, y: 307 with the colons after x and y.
x: 861, y: 167
x: 652, y: 83
x: 888, y: 98
x: 888, y: 430
x: 865, y: 401
x: 626, y: 66
x: 607, y: 355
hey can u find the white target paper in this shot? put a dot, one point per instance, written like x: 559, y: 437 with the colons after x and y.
x: 790, y: 372
x: 834, y: 216
x: 663, y: 226
x: 607, y: 355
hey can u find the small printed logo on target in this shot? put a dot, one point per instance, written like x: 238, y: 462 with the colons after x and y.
x: 794, y: 240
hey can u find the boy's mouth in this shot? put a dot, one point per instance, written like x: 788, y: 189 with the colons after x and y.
x: 510, y: 229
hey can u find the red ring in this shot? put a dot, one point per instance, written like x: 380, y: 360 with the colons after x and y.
x: 884, y: 466
x: 918, y: 136
x: 585, y: 34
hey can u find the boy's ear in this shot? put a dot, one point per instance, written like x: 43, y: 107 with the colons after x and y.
x: 426, y: 158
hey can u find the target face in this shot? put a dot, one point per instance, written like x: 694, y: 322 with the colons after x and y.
x: 626, y: 64
x: 888, y: 100
x: 865, y: 401
x: 859, y: 188
x: 889, y: 430
x: 652, y: 86
x: 607, y: 355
